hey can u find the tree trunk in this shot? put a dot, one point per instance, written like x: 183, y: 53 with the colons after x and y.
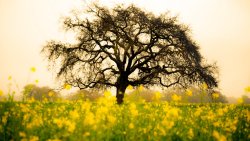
x: 121, y: 85
x: 120, y: 91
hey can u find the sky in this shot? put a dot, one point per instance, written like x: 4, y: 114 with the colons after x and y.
x: 220, y: 27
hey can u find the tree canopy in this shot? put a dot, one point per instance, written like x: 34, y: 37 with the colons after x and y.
x: 39, y: 93
x: 128, y: 46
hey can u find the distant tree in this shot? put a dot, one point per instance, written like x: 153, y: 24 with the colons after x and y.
x: 128, y: 46
x: 39, y: 93
x: 198, y: 95
x: 85, y: 95
x: 141, y: 95
x: 246, y: 99
x: 231, y: 100
x: 3, y: 98
x: 220, y: 98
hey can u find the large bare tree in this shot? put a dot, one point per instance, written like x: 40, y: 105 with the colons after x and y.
x: 128, y: 46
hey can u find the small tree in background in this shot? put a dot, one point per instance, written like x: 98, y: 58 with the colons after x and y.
x: 128, y: 46
x: 245, y: 99
x: 32, y: 91
x: 85, y: 95
x: 197, y: 95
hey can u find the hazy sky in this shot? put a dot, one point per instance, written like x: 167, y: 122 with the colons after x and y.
x: 220, y: 27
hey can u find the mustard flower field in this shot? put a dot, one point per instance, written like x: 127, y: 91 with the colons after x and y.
x: 105, y: 120
x: 134, y: 120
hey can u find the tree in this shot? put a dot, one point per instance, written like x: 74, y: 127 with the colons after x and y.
x: 39, y: 93
x: 245, y: 99
x: 85, y: 95
x: 128, y: 46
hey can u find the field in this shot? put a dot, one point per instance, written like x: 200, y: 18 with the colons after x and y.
x: 105, y: 120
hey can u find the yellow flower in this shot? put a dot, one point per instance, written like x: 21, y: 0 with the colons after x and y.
x: 157, y: 95
x: 10, y: 77
x: 45, y: 99
x: 107, y: 94
x: 219, y: 137
x: 67, y: 86
x: 155, y: 134
x: 189, y: 92
x: 216, y: 134
x: 1, y: 92
x: 204, y: 86
x: 111, y: 119
x: 176, y: 98
x: 51, y: 94
x: 215, y: 95
x: 53, y: 140
x: 140, y: 88
x: 247, y: 89
x: 190, y: 133
x: 36, y: 81
x: 24, y: 139
x: 33, y: 69
x: 58, y: 122
x: 133, y: 110
x: 32, y: 99
x: 247, y: 113
x: 89, y: 119
x: 86, y: 134
x: 240, y: 101
x: 34, y: 138
x: 130, y: 87
x: 216, y: 124
x: 131, y: 126
x: 71, y: 126
x: 174, y: 112
x: 74, y: 114
x: 168, y: 123
x: 5, y: 118
x: 22, y: 134
x: 198, y: 112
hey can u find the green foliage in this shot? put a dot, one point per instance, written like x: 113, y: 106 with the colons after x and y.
x: 31, y: 91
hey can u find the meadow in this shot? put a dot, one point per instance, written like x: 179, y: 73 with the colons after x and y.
x: 136, y: 119
x: 105, y: 120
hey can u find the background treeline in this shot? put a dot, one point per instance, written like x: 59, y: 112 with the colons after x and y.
x: 195, y: 95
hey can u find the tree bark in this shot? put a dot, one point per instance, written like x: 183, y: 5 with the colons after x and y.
x: 121, y: 85
x: 120, y: 91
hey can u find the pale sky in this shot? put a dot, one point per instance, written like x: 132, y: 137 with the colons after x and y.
x: 220, y: 27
